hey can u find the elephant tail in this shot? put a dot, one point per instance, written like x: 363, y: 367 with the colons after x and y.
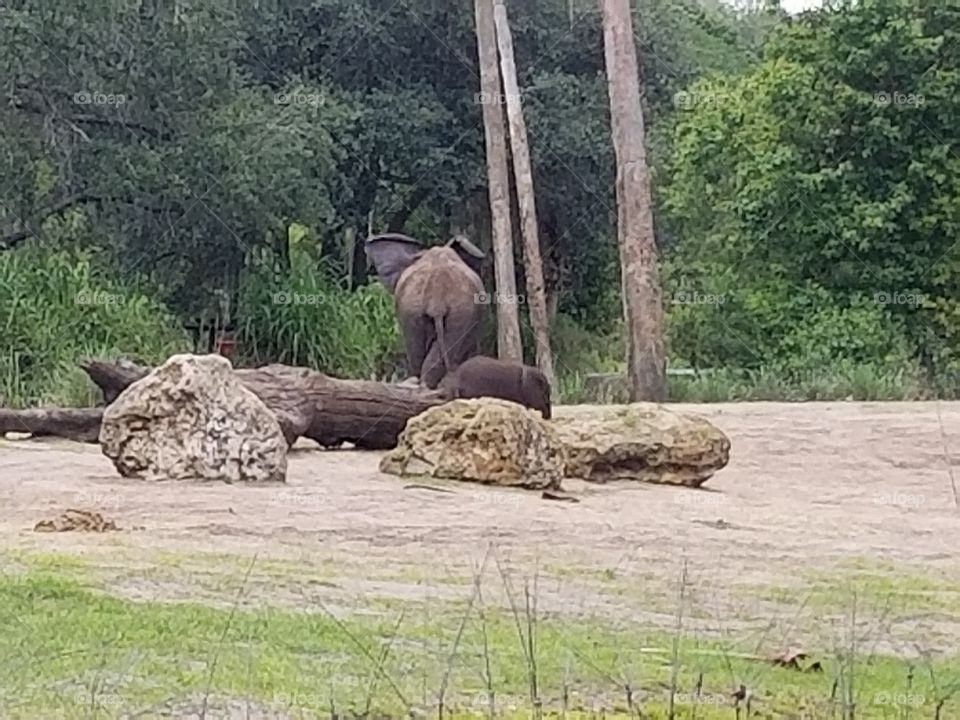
x: 438, y: 322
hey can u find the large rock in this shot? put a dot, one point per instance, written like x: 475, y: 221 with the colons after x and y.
x: 192, y: 419
x: 486, y: 441
x: 641, y: 441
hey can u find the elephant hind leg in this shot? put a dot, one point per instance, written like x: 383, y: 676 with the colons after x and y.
x: 416, y: 337
x: 433, y: 368
x: 462, y: 335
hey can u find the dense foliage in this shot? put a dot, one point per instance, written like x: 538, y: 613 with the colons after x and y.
x: 302, y: 314
x: 58, y: 308
x: 819, y: 197
x: 805, y: 169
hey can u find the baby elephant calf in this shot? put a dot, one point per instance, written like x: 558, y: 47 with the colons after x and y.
x: 489, y: 377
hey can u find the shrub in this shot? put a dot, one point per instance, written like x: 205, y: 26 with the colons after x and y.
x: 305, y: 316
x: 59, y: 308
x: 792, y: 329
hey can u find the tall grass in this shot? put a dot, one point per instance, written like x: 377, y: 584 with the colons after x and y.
x: 305, y: 316
x: 840, y: 382
x: 57, y: 308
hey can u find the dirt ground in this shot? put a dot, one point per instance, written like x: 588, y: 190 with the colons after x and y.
x: 814, y: 488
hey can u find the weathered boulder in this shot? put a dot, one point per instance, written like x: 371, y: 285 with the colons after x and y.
x: 191, y: 418
x: 640, y: 441
x: 486, y: 441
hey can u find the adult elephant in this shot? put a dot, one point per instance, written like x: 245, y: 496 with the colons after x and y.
x: 438, y: 296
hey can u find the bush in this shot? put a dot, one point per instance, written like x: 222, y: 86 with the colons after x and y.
x: 305, y: 316
x: 58, y: 309
x: 793, y: 330
x: 814, y: 185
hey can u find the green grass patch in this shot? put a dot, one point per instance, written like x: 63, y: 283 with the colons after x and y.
x: 604, y: 575
x: 34, y: 560
x: 70, y: 650
x: 879, y: 586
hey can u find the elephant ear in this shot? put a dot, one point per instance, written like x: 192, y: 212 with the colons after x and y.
x: 391, y: 254
x: 468, y: 252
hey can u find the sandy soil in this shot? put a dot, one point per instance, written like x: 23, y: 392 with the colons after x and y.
x: 811, y: 488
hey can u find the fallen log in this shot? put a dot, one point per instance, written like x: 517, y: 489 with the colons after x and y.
x: 113, y: 377
x: 80, y: 424
x: 307, y: 404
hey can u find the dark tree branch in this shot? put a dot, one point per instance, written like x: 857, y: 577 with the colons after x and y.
x: 11, y: 238
x: 91, y: 119
x: 106, y: 121
x: 15, y: 237
x: 410, y: 204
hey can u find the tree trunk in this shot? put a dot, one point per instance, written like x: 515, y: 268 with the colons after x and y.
x: 417, y: 197
x: 643, y: 312
x: 509, y: 345
x: 358, y: 261
x: 459, y: 216
x: 349, y: 239
x: 523, y: 175
x: 307, y: 403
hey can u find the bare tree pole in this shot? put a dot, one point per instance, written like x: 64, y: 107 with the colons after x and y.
x: 533, y: 266
x: 642, y: 308
x: 509, y: 345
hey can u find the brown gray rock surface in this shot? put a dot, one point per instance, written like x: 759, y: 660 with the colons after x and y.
x: 640, y: 441
x: 191, y: 418
x: 487, y: 441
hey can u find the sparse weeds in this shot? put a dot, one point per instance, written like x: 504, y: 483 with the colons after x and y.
x: 70, y: 649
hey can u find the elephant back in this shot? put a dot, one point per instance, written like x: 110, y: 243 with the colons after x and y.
x: 439, y: 272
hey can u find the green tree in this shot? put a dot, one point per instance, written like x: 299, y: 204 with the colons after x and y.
x: 135, y: 121
x: 174, y: 141
x: 824, y: 184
